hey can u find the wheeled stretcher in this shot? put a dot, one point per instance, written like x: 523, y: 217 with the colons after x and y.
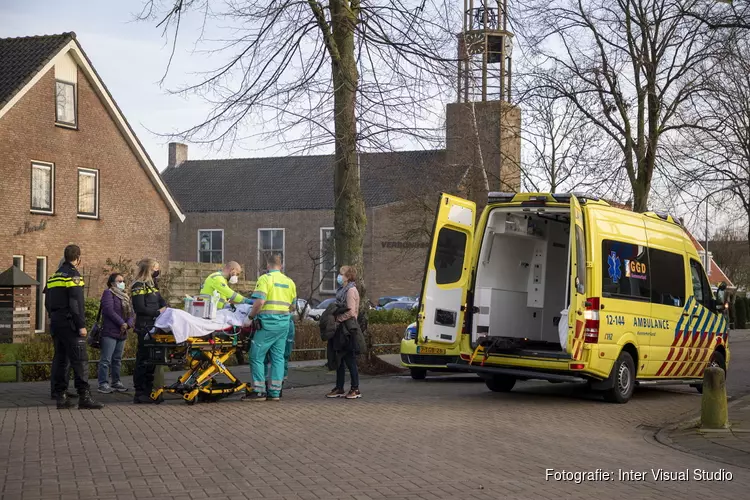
x: 204, y: 358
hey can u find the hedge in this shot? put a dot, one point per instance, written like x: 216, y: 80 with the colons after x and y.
x: 40, y: 348
x: 394, y: 316
x: 740, y: 311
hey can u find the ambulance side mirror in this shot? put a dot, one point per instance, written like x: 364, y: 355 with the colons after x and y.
x: 721, y: 297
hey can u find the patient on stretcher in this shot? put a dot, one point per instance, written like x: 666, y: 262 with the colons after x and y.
x: 184, y: 325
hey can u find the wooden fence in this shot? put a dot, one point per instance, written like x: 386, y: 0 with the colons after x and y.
x: 186, y: 278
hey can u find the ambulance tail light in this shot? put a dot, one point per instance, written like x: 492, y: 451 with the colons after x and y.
x: 591, y: 325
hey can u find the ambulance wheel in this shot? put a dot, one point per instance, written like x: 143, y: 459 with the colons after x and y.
x: 418, y: 373
x: 624, y: 374
x: 500, y: 383
x: 716, y: 360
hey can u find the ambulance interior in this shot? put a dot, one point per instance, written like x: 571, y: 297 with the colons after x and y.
x: 522, y: 279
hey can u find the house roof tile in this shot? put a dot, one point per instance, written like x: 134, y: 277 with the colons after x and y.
x: 21, y: 58
x: 303, y: 182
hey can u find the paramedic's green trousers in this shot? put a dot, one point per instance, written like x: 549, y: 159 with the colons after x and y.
x: 287, y: 354
x: 271, y: 342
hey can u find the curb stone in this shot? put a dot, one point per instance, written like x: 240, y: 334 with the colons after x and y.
x: 662, y: 435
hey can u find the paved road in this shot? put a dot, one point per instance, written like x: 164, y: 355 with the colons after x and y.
x: 433, y: 439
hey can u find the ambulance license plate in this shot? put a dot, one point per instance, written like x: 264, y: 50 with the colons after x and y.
x: 429, y: 350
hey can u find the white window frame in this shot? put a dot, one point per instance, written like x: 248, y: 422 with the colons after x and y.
x: 283, y: 247
x: 223, y: 244
x: 22, y: 261
x: 322, y: 272
x: 51, y: 166
x: 74, y: 124
x: 95, y: 173
x: 41, y: 307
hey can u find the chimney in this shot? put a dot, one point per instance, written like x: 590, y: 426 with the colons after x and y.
x: 178, y: 153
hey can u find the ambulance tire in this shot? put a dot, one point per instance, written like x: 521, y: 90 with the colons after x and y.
x: 418, y: 373
x: 500, y: 383
x: 716, y: 359
x: 624, y: 375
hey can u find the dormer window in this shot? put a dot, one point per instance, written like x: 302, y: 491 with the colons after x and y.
x: 65, y: 104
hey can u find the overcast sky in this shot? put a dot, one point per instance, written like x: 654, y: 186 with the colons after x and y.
x: 131, y: 58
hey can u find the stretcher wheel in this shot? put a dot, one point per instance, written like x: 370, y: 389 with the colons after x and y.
x: 191, y: 402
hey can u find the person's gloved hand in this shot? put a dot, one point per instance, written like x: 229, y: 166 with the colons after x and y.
x: 248, y: 301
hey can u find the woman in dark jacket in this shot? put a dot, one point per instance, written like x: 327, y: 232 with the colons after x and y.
x: 346, y: 342
x: 147, y: 304
x: 117, y: 318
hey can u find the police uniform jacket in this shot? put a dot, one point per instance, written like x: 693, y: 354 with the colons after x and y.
x: 146, y: 303
x: 64, y: 299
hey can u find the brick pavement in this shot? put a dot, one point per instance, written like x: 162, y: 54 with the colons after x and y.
x: 441, y: 438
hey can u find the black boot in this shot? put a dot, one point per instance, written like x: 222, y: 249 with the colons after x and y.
x: 63, y: 402
x: 86, y: 403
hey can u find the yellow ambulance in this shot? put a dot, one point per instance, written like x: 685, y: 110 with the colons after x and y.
x: 567, y: 288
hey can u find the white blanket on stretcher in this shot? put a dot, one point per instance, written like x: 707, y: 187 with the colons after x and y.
x: 183, y: 324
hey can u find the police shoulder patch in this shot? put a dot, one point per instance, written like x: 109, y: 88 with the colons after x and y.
x: 76, y: 279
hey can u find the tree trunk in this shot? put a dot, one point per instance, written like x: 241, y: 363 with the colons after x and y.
x: 349, y: 217
x: 641, y: 188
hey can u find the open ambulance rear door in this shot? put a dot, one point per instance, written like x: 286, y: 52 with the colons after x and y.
x: 577, y: 319
x: 448, y: 272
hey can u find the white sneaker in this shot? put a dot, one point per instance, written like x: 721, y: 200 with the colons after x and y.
x: 117, y: 386
x: 105, y: 389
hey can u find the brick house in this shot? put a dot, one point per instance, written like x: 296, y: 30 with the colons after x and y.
x: 234, y: 212
x: 72, y: 169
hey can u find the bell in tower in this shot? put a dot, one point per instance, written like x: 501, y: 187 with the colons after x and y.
x: 484, y: 52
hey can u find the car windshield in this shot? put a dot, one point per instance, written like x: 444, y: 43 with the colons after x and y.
x: 325, y: 304
x: 399, y: 305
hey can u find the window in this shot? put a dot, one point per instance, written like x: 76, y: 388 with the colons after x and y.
x: 18, y: 261
x: 41, y: 277
x: 88, y: 193
x: 625, y: 273
x: 701, y: 288
x: 43, y: 187
x: 270, y: 241
x: 667, y: 278
x: 328, y: 271
x: 65, y: 100
x: 580, y: 261
x: 449, y: 256
x: 211, y: 246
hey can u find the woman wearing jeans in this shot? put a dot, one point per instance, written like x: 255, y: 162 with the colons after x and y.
x: 117, y: 318
x: 347, y: 296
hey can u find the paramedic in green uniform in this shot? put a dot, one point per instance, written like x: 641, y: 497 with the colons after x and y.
x: 273, y: 301
x: 219, y: 282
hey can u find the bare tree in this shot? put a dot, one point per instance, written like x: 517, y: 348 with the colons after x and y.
x: 371, y: 69
x: 640, y: 61
x: 729, y: 249
x: 718, y: 154
x: 564, y: 148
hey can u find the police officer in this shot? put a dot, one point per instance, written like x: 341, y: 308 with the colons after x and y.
x: 68, y: 325
x: 219, y: 282
x: 147, y: 304
x: 274, y: 297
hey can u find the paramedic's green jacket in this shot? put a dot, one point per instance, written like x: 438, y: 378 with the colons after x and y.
x: 279, y: 293
x: 218, y: 282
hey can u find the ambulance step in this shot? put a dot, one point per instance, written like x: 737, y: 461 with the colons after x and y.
x: 690, y: 381
x: 521, y: 374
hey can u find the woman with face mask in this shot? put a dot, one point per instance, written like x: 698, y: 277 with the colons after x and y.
x: 117, y: 318
x: 147, y: 304
x: 345, y: 343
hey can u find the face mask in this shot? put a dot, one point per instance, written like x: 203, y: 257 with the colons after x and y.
x: 155, y: 274
x: 233, y: 280
x: 121, y: 286
x: 340, y: 279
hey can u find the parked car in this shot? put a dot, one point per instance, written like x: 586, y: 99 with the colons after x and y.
x: 382, y: 301
x: 303, y: 309
x: 401, y: 304
x: 316, y: 311
x: 420, y: 359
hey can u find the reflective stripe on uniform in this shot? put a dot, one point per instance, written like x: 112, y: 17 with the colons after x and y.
x: 145, y: 291
x: 279, y: 303
x: 60, y: 282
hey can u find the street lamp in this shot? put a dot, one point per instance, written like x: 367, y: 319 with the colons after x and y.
x: 706, y: 262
